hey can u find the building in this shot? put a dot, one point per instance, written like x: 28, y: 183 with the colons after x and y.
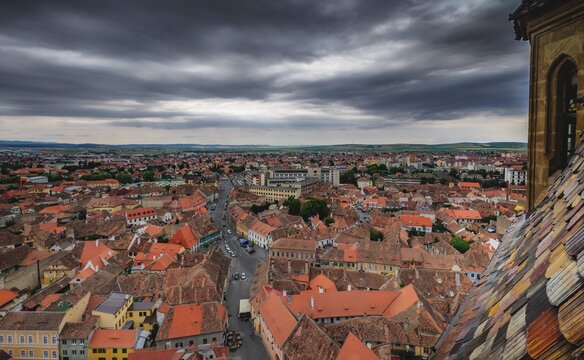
x: 294, y: 249
x: 109, y: 344
x: 275, y: 323
x: 284, y: 189
x: 555, y: 30
x: 139, y: 313
x: 189, y: 324
x: 260, y: 234
x: 418, y: 223
x: 32, y: 335
x: 140, y: 216
x: 113, y: 310
x: 515, y: 176
x: 74, y: 339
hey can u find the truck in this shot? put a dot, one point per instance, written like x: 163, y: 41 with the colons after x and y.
x: 244, y: 309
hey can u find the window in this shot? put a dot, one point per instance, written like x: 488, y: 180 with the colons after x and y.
x: 81, y: 352
x: 561, y: 120
x: 21, y: 339
x: 53, y: 340
x: 22, y: 353
x: 94, y: 351
x: 45, y: 354
x: 63, y: 342
x: 82, y: 341
x: 204, y: 340
x: 31, y: 353
x: 64, y: 352
x: 45, y: 339
x: 54, y: 354
x: 125, y: 351
x: 115, y: 351
x: 73, y: 352
x: 1, y: 339
x: 74, y: 341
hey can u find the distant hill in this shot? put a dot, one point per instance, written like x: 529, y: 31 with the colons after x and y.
x: 454, y: 147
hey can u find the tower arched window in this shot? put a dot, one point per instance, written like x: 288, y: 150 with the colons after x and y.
x: 561, y: 134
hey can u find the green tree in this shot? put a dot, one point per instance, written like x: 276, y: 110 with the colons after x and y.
x: 313, y: 207
x: 124, y: 178
x: 459, y: 244
x: 375, y: 235
x: 294, y: 205
x: 148, y: 176
x: 329, y: 221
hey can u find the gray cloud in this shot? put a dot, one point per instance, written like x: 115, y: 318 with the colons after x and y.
x: 422, y: 60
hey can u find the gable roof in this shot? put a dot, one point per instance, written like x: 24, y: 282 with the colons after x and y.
x: 278, y: 319
x: 354, y: 349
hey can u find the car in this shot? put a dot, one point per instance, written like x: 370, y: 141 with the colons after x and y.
x: 250, y: 250
x: 236, y: 276
x: 228, y: 231
x: 243, y: 277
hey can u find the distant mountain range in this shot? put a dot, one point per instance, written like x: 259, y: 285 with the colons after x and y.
x: 454, y: 147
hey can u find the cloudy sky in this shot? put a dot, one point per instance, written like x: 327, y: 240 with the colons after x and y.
x: 262, y: 72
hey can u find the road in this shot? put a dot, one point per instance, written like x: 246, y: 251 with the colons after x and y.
x: 253, y: 347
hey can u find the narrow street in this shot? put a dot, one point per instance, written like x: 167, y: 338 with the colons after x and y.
x: 243, y: 262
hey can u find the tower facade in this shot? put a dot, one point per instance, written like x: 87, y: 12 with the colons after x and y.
x: 555, y: 30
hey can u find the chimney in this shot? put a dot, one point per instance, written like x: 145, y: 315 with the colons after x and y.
x: 284, y: 292
x: 96, y: 243
x: 457, y: 278
x: 312, y: 302
x: 349, y: 287
x: 369, y: 345
x: 289, y: 267
x: 417, y: 273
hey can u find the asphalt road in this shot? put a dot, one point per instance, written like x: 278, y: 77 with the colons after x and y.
x: 243, y: 262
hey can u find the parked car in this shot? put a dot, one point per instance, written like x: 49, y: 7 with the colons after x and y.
x: 236, y: 276
x: 243, y: 277
x: 249, y: 250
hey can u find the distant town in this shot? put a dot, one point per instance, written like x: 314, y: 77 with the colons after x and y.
x: 175, y: 254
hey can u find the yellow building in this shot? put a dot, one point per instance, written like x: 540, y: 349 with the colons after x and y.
x: 113, y: 310
x: 139, y: 312
x: 31, y: 335
x: 65, y: 266
x: 111, y: 344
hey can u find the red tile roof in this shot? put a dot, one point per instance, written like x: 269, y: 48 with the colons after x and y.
x: 354, y: 349
x: 113, y: 339
x: 278, y: 319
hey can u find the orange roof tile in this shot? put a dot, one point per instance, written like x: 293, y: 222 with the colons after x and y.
x: 6, y: 296
x: 113, y: 339
x: 406, y: 298
x: 323, y: 282
x: 278, y: 319
x: 187, y: 320
x: 354, y: 349
x: 185, y: 237
x: 341, y: 303
x: 416, y: 221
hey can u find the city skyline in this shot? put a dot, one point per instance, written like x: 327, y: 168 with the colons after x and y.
x: 262, y: 73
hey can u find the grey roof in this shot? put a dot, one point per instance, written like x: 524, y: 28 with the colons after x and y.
x: 113, y: 303
x: 143, y: 305
x: 32, y: 320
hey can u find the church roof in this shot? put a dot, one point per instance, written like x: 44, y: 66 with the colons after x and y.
x: 527, y: 9
x: 529, y: 301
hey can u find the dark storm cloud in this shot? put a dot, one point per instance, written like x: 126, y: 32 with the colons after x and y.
x: 120, y: 59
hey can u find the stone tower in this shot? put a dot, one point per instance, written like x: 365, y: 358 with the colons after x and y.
x: 555, y: 30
